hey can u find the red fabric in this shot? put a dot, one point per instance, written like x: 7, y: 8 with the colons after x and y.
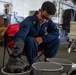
x: 11, y: 44
x: 11, y: 31
x: 41, y: 51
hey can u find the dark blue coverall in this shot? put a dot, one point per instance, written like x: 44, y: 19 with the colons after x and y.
x: 29, y: 29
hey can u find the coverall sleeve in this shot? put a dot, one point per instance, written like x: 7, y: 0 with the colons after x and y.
x: 24, y: 30
x: 52, y: 32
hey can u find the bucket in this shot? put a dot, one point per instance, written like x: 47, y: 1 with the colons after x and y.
x: 46, y: 68
x: 67, y: 64
x: 4, y: 72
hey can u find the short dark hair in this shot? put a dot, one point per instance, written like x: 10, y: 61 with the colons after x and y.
x: 49, y: 7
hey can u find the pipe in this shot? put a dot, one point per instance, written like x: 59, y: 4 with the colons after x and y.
x: 4, y: 2
x: 67, y: 4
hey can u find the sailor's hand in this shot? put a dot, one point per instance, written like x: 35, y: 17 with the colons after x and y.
x: 38, y: 40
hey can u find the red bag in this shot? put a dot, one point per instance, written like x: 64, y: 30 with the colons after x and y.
x: 10, y: 32
x: 12, y: 29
